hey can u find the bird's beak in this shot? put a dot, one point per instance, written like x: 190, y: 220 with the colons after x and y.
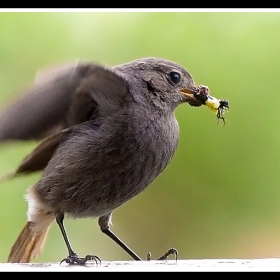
x: 192, y: 97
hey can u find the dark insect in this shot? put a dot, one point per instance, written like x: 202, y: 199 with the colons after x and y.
x: 223, y: 107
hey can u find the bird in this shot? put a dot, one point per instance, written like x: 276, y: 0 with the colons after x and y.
x: 106, y: 133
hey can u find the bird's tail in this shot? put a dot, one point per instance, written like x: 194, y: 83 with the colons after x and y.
x: 29, y: 243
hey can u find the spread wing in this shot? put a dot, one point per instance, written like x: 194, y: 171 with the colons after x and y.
x: 59, y: 100
x: 62, y: 97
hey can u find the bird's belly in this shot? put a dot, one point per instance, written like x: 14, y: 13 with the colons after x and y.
x: 93, y: 182
x: 115, y: 186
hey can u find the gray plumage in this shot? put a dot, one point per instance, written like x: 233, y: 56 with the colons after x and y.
x: 113, y: 131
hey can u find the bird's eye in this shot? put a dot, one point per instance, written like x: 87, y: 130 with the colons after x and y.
x: 175, y: 77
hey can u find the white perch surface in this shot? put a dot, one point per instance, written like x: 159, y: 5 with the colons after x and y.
x: 269, y: 264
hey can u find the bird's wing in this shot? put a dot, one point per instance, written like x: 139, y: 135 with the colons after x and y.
x: 40, y: 110
x: 40, y: 156
x: 60, y: 98
x: 99, y: 94
x: 38, y: 159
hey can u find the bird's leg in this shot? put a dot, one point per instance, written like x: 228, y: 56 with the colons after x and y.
x: 73, y: 258
x: 104, y: 222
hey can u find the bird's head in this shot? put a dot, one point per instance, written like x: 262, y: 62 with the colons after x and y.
x: 162, y: 82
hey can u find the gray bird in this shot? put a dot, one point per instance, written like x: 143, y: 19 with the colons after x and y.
x: 110, y: 132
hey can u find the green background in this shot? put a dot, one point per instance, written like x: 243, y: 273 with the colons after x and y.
x: 220, y: 195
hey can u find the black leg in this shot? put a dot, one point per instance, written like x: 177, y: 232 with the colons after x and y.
x: 104, y: 222
x: 72, y: 258
x: 118, y: 241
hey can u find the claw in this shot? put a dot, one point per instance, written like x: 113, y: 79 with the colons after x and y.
x: 75, y: 260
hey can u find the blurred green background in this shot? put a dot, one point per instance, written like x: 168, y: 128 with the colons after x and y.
x: 220, y: 196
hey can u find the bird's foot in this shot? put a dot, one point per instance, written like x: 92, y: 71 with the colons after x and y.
x: 73, y: 259
x: 171, y: 251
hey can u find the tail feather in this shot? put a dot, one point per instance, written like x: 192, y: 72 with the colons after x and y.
x: 28, y: 245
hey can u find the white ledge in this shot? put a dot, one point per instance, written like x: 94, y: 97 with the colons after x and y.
x: 269, y: 264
